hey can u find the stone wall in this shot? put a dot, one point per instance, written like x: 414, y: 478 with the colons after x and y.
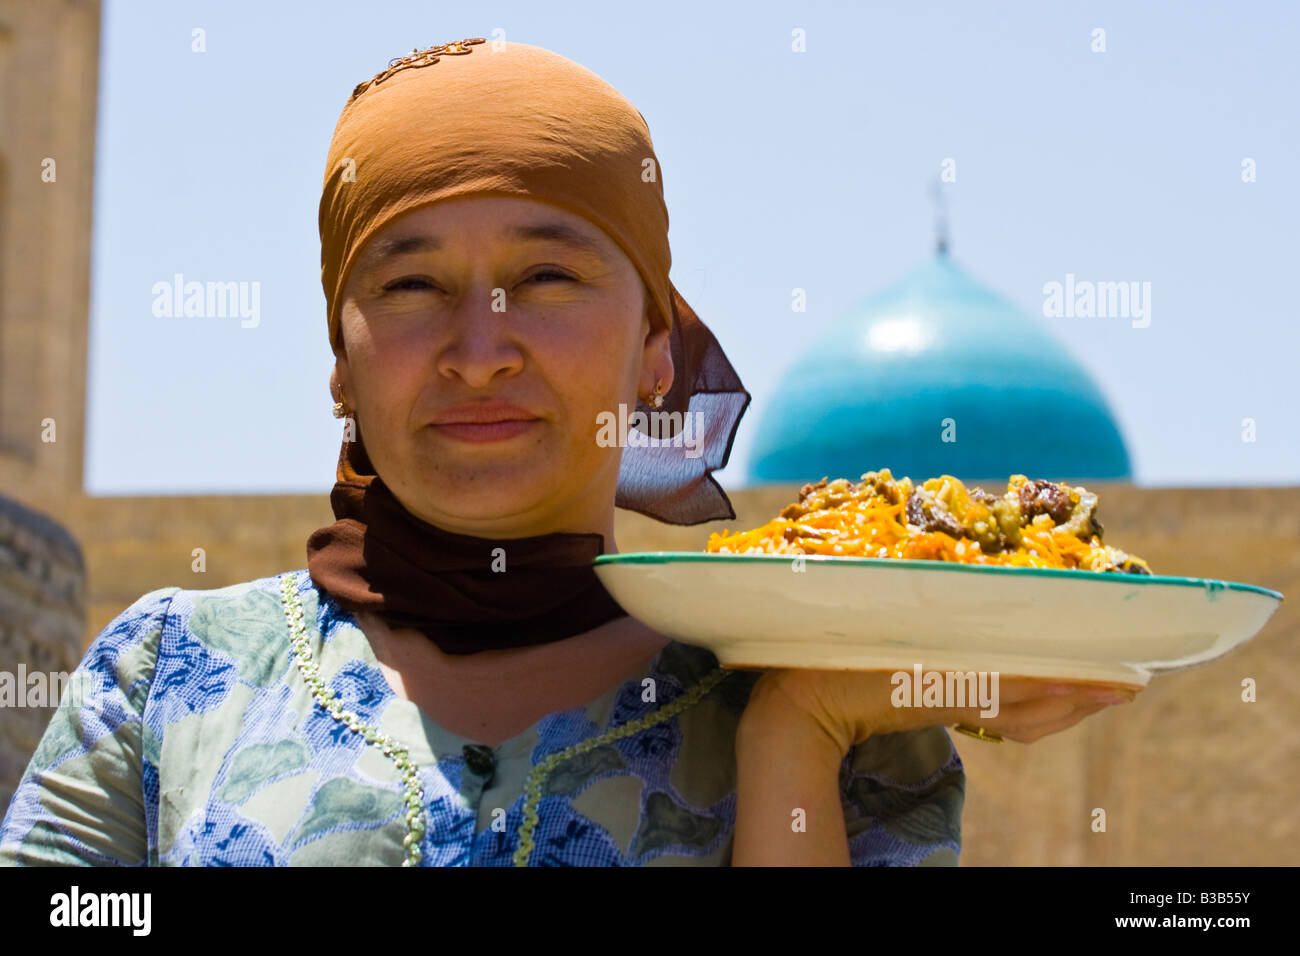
x: 42, y: 624
x: 49, y: 84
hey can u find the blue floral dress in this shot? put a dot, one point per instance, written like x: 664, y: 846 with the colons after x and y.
x: 190, y: 734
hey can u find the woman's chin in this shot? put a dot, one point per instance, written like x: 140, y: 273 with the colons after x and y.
x: 489, y: 499
x: 508, y: 496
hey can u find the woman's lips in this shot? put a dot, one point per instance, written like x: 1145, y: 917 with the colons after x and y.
x: 481, y: 432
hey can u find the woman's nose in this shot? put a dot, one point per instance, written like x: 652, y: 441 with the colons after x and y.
x: 481, y: 343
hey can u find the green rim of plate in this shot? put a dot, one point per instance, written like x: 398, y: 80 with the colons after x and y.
x: 673, y: 557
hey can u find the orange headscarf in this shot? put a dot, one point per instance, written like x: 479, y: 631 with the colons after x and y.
x: 477, y: 118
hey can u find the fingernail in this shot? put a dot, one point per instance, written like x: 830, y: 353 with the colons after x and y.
x: 1060, y: 689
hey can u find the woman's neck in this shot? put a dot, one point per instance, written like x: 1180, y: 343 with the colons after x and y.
x: 491, y: 696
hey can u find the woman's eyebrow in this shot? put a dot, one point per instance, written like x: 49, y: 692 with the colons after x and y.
x: 392, y: 247
x: 396, y: 246
x: 557, y: 232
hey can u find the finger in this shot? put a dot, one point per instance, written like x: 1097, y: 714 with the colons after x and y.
x: 1014, y: 690
x: 1025, y: 716
x: 1031, y: 734
x: 1016, y: 727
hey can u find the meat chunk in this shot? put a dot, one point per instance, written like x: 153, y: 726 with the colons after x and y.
x: 927, y: 512
x: 799, y: 508
x: 810, y: 487
x: 1042, y: 497
x: 1083, y: 523
x: 883, y: 484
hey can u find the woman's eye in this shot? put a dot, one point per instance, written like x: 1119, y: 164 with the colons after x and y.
x: 545, y: 277
x: 403, y: 284
x: 553, y: 273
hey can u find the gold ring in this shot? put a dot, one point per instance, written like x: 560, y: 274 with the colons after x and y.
x: 980, y: 732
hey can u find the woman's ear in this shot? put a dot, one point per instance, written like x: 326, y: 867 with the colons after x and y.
x: 656, y: 362
x: 339, y: 387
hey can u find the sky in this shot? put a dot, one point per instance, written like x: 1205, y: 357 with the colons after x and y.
x: 1170, y: 157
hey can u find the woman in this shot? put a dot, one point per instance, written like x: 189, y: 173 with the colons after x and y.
x: 446, y: 682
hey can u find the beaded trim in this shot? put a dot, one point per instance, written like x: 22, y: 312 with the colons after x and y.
x: 533, y: 785
x: 418, y: 58
x: 415, y: 823
x: 310, y: 670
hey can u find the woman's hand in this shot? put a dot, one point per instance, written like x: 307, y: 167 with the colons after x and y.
x: 849, y: 706
x: 799, y: 725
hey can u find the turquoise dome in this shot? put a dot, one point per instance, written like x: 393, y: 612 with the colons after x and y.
x: 938, y: 356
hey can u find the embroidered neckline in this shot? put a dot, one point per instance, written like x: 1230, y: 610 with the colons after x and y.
x: 416, y: 826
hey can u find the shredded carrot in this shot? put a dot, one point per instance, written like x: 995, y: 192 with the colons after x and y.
x: 870, y: 519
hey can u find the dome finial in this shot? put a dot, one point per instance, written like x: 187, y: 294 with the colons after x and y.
x: 940, y: 218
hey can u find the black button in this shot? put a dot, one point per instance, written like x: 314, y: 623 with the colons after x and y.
x: 480, y: 760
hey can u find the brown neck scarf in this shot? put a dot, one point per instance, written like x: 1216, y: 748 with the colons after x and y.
x: 467, y: 594
x: 478, y: 118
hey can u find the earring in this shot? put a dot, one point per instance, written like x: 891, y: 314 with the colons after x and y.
x: 657, y: 399
x: 339, y: 410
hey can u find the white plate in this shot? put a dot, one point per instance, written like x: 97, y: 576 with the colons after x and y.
x: 756, y: 611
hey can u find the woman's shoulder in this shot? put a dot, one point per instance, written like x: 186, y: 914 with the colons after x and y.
x: 242, y: 627
x: 246, y: 607
x: 176, y: 604
x: 188, y: 634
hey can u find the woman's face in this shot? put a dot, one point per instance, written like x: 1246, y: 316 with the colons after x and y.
x: 482, y: 338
